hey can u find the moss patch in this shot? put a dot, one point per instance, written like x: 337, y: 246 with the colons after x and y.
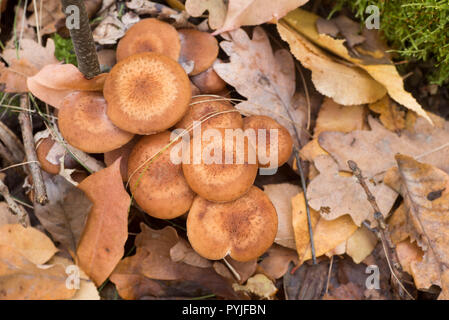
x: 64, y: 49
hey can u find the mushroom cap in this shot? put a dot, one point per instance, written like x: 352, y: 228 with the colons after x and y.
x: 161, y: 190
x: 244, y: 228
x: 225, y: 180
x: 123, y: 152
x: 147, y: 93
x: 43, y: 148
x: 150, y: 35
x: 199, y: 47
x: 203, y: 107
x: 209, y: 81
x: 83, y: 123
x: 285, y: 142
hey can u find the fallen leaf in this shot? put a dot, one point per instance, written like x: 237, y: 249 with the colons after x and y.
x: 280, y: 195
x: 216, y: 8
x: 306, y: 282
x: 37, y: 55
x: 244, y: 269
x: 28, y: 242
x: 255, y: 12
x: 21, y: 279
x: 183, y: 252
x: 330, y: 77
x: 64, y: 216
x: 8, y: 217
x: 391, y: 115
x: 276, y: 263
x: 327, y: 234
x: 48, y: 15
x: 259, y: 285
x: 267, y: 80
x: 361, y: 244
x: 398, y: 224
x: 408, y: 253
x: 348, y: 291
x: 14, y: 77
x: 335, y: 195
x: 102, y: 242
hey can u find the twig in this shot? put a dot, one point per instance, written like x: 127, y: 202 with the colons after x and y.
x: 13, y: 205
x: 329, y: 274
x: 381, y: 230
x: 40, y: 194
x: 82, y: 39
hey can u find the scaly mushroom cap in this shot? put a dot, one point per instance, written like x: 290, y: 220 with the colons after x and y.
x: 209, y: 81
x: 123, y: 152
x: 147, y: 93
x: 285, y: 142
x: 244, y: 228
x: 199, y: 47
x: 43, y: 148
x: 83, y: 123
x: 161, y: 191
x: 204, y: 107
x: 228, y: 179
x: 150, y: 35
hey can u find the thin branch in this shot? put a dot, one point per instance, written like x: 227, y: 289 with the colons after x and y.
x: 13, y: 205
x: 381, y: 230
x: 40, y: 192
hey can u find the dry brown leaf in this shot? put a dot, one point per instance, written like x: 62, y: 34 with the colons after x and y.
x: 21, y: 279
x: 64, y: 216
x: 381, y: 70
x: 332, y: 78
x: 244, y: 269
x: 280, y: 195
x: 335, y: 195
x: 391, y: 115
x: 33, y: 52
x: 216, y: 8
x: 347, y: 291
x: 276, y: 263
x: 183, y: 252
x: 327, y: 234
x: 398, y: 225
x: 50, y: 13
x: 259, y: 285
x: 102, y: 242
x: 255, y: 12
x: 361, y: 244
x: 28, y: 242
x: 14, y: 77
x: 267, y: 80
x: 408, y: 253
x: 8, y: 217
x: 425, y: 190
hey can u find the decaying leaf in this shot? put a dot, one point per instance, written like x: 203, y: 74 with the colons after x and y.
x: 408, y: 253
x: 280, y: 195
x: 28, y: 242
x: 243, y: 269
x: 361, y: 244
x: 183, y: 252
x: 8, y: 217
x: 102, y: 242
x: 327, y: 234
x: 216, y: 8
x: 21, y: 279
x: 276, y: 263
x: 391, y: 115
x: 64, y: 216
x: 347, y: 291
x: 259, y: 285
x: 267, y: 80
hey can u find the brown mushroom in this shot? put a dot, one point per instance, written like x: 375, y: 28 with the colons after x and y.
x: 199, y: 47
x: 147, y: 93
x: 223, y: 167
x: 284, y: 140
x: 150, y: 35
x: 209, y: 82
x: 160, y: 190
x: 202, y: 108
x: 44, y: 149
x: 83, y: 123
x: 124, y: 152
x: 244, y: 228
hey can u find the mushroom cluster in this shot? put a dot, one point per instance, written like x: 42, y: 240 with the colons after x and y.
x: 149, y: 111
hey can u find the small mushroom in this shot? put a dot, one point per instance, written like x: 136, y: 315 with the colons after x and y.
x: 199, y: 47
x: 222, y: 168
x: 161, y: 190
x: 284, y: 140
x: 244, y: 228
x: 147, y: 93
x: 44, y: 147
x: 202, y: 108
x: 209, y: 81
x: 150, y: 35
x: 83, y: 123
x: 124, y: 152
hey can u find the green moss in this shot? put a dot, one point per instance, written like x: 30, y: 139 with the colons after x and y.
x: 416, y: 30
x: 64, y: 49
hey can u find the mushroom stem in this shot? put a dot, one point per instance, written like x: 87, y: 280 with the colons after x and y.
x: 233, y: 271
x: 30, y: 151
x: 77, y: 21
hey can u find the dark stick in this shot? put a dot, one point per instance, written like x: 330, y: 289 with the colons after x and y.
x: 82, y: 39
x: 40, y: 193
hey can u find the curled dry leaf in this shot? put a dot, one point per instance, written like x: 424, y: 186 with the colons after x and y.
x: 21, y: 279
x: 425, y: 190
x: 183, y: 252
x: 267, y: 80
x: 276, y: 263
x: 64, y: 216
x: 102, y: 242
x: 280, y: 195
x: 28, y: 242
x: 391, y: 115
x: 258, y: 285
x: 327, y: 234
